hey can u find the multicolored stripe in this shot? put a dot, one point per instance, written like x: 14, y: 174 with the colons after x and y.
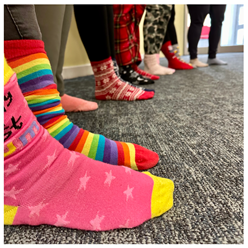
x: 35, y: 79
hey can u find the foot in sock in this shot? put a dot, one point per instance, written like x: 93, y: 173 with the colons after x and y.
x: 129, y: 74
x: 74, y: 104
x: 44, y: 183
x: 216, y: 61
x: 144, y: 73
x: 151, y: 66
x: 197, y: 63
x: 116, y: 69
x: 173, y: 57
x: 28, y: 59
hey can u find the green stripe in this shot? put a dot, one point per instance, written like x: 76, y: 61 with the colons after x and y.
x: 34, y: 101
x: 93, y: 148
x: 32, y: 70
x: 58, y: 130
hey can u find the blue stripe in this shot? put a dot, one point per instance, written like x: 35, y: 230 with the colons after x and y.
x: 43, y: 103
x: 51, y: 113
x: 64, y: 131
x: 100, y: 148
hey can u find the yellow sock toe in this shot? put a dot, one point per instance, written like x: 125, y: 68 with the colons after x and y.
x: 162, y: 195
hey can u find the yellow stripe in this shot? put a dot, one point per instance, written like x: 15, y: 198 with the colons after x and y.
x: 132, y: 156
x: 30, y: 64
x: 32, y: 97
x: 57, y: 125
x: 8, y: 72
x: 9, y: 214
x: 11, y: 147
x: 55, y: 109
x: 87, y: 144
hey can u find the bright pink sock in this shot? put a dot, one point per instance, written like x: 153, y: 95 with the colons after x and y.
x: 44, y: 183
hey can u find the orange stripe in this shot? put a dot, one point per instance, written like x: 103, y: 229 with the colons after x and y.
x: 126, y: 154
x: 46, y: 110
x: 46, y: 126
x: 42, y: 92
x: 27, y: 59
x: 81, y: 143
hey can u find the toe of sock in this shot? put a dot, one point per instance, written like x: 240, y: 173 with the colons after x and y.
x: 162, y: 195
x: 145, y: 158
x: 146, y: 95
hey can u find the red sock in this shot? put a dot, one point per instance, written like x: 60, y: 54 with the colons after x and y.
x: 173, y: 61
x: 145, y: 74
x: 110, y: 87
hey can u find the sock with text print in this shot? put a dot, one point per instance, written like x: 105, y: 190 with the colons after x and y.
x: 44, y: 183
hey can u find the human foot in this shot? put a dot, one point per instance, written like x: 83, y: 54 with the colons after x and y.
x: 28, y: 59
x: 47, y: 184
x: 216, y: 61
x: 74, y: 104
x: 144, y: 73
x: 197, y: 63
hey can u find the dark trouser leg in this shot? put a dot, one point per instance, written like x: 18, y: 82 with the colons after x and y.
x: 92, y: 23
x: 171, y: 27
x: 197, y: 16
x: 55, y: 29
x: 110, y: 17
x: 20, y: 22
x: 217, y: 17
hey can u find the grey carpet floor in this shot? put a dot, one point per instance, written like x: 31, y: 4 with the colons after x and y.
x: 195, y: 124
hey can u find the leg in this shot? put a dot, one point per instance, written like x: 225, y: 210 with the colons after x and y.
x: 17, y: 25
x: 47, y: 184
x: 28, y: 59
x: 217, y: 17
x: 170, y: 46
x: 197, y: 16
x: 155, y: 25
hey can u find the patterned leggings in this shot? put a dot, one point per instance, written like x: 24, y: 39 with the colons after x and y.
x: 155, y: 26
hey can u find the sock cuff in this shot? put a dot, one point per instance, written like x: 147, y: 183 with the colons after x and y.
x: 101, y: 61
x: 14, y: 49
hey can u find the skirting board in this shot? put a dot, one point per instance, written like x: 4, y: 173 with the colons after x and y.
x: 70, y: 72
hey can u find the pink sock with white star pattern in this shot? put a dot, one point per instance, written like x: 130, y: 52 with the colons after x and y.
x: 44, y: 183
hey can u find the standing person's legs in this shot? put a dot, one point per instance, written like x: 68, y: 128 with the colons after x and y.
x: 29, y: 61
x: 217, y: 17
x: 95, y: 37
x: 55, y: 30
x: 15, y: 25
x: 197, y: 17
x: 155, y: 26
x: 170, y: 47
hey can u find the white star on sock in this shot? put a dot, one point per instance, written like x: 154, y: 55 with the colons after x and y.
x: 36, y: 209
x: 126, y: 224
x: 109, y: 178
x: 83, y: 181
x: 127, y: 169
x: 12, y: 193
x: 128, y: 192
x: 61, y: 220
x: 96, y: 222
x: 12, y: 168
x: 50, y: 160
x: 73, y: 157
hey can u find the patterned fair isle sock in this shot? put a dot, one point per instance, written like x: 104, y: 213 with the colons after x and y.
x: 28, y: 59
x: 144, y: 73
x: 44, y: 183
x: 116, y: 69
x: 110, y: 87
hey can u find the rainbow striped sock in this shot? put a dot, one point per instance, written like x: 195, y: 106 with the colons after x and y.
x: 29, y: 60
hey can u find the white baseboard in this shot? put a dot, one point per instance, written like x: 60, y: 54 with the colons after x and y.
x: 76, y: 71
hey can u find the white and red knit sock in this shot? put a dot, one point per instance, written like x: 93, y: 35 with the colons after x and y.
x: 110, y: 87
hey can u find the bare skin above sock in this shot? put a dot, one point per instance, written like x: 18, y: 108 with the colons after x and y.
x: 74, y: 104
x: 216, y: 61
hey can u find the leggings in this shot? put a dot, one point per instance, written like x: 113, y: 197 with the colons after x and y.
x: 96, y: 28
x: 197, y: 16
x: 155, y: 26
x: 55, y: 30
x: 171, y: 34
